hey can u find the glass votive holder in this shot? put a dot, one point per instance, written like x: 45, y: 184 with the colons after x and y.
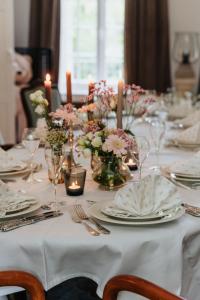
x: 75, y: 181
x: 130, y: 161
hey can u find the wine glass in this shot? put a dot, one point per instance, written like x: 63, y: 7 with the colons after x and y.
x: 157, y: 132
x: 140, y: 152
x: 54, y: 163
x: 31, y: 142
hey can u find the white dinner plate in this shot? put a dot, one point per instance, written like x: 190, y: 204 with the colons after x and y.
x: 188, y: 177
x: 21, y: 213
x: 95, y: 211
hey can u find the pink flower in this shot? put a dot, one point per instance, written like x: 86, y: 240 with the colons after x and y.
x: 67, y: 114
x: 115, y: 144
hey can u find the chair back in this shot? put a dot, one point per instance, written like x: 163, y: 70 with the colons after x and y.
x: 136, y: 285
x: 31, y: 116
x: 25, y: 280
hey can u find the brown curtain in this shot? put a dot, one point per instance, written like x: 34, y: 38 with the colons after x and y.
x: 147, y: 44
x: 45, y: 29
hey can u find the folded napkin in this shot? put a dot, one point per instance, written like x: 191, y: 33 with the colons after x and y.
x: 10, y: 163
x: 190, y: 120
x: 151, y: 195
x: 13, y: 201
x: 181, y: 109
x: 189, y: 136
x: 186, y: 167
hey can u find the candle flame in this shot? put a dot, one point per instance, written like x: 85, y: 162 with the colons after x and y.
x: 48, y: 77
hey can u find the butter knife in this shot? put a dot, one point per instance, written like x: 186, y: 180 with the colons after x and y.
x: 7, y: 226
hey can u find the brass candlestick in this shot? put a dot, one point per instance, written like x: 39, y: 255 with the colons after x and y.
x: 71, y: 161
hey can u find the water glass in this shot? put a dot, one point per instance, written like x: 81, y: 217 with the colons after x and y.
x: 157, y: 132
x: 31, y: 142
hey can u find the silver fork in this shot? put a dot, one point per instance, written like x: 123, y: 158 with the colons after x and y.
x: 81, y: 213
x: 77, y: 219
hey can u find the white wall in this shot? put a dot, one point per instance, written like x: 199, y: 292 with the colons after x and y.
x: 21, y: 12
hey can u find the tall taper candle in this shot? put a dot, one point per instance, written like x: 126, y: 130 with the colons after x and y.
x: 47, y: 85
x: 91, y: 100
x: 120, y: 103
x: 69, y: 87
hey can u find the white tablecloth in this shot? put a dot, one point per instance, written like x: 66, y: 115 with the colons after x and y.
x: 58, y: 249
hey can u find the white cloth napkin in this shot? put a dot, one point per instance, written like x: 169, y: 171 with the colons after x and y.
x: 189, y: 136
x: 190, y: 120
x: 11, y: 200
x: 187, y: 167
x: 180, y: 109
x: 10, y: 163
x: 149, y: 196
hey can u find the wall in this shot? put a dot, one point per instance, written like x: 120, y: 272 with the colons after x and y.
x: 21, y: 12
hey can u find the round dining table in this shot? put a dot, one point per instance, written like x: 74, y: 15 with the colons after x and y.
x: 59, y: 249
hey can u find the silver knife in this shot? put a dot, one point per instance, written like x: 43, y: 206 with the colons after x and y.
x: 7, y: 226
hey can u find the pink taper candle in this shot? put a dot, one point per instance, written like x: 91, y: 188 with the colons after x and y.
x: 120, y: 103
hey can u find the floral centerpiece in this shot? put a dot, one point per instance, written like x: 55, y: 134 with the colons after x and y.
x: 111, y: 146
x: 52, y: 126
x: 104, y: 100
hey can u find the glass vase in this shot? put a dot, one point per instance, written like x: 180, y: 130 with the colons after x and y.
x: 57, y: 150
x: 110, y: 172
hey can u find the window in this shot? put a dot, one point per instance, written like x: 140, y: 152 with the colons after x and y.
x: 92, y: 42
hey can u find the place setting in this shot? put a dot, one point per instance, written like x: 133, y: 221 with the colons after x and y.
x: 153, y: 200
x: 184, y: 173
x: 188, y: 139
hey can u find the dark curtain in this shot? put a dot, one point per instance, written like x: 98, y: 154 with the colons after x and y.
x: 45, y: 29
x: 147, y: 60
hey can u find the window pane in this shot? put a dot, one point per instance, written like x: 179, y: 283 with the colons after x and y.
x: 78, y: 45
x: 114, y: 39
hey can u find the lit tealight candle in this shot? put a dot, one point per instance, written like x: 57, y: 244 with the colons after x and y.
x: 74, y: 186
x: 131, y: 164
x: 47, y: 85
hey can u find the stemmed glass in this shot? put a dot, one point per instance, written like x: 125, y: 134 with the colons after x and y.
x: 31, y: 142
x: 140, y: 152
x: 54, y: 162
x: 157, y: 132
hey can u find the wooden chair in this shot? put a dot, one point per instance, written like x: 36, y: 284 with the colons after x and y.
x: 136, y: 285
x: 23, y: 279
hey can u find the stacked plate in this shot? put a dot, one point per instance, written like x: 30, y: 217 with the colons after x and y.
x: 153, y: 200
x: 14, y: 204
x: 100, y: 212
x: 186, y: 172
x: 11, y: 166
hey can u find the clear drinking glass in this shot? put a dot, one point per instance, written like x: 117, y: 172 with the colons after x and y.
x: 54, y: 162
x: 31, y: 142
x: 141, y: 152
x: 157, y: 132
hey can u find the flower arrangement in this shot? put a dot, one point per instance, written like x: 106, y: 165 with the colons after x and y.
x: 136, y: 103
x: 105, y: 142
x: 105, y: 100
x: 109, y: 146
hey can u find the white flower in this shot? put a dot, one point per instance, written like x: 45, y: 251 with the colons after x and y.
x: 36, y: 94
x: 81, y: 141
x: 40, y: 110
x: 97, y: 142
x: 86, y: 152
x: 89, y: 135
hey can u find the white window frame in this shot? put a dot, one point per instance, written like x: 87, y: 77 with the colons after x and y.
x: 81, y: 88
